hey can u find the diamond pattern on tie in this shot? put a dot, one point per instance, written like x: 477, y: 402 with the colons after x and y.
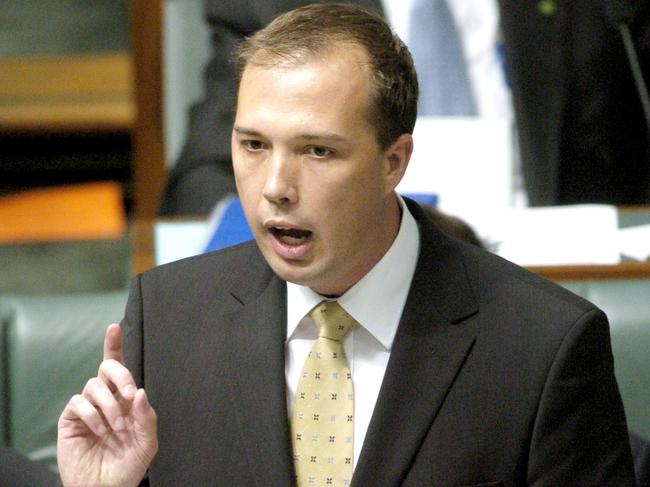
x: 323, y: 410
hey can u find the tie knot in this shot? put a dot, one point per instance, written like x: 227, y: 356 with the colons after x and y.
x: 333, y: 321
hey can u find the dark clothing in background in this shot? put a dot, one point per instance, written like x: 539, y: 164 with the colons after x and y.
x: 583, y: 138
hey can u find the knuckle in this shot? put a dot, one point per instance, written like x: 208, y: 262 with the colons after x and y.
x: 114, y: 369
x: 77, y: 400
x: 92, y: 384
x: 81, y: 407
x: 88, y: 414
x: 105, y: 365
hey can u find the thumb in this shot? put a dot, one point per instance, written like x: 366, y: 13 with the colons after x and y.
x: 145, y: 423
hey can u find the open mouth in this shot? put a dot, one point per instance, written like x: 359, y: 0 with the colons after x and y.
x: 290, y: 236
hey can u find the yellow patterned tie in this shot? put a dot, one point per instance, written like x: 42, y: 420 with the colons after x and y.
x: 322, y: 421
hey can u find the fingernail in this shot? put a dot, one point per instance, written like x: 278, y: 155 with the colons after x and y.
x: 101, y: 430
x: 119, y: 424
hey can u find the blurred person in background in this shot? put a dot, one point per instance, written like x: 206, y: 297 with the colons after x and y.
x: 556, y: 69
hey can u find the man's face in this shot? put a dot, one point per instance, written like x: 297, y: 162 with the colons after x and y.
x: 316, y: 187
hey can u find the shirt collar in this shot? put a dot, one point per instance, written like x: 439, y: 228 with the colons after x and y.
x: 376, y: 302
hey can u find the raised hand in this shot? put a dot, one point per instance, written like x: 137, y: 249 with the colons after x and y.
x: 107, y: 434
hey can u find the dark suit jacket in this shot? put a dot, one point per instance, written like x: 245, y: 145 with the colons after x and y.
x: 16, y: 470
x: 581, y: 131
x: 496, y: 377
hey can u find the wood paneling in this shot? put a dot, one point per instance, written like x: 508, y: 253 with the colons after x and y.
x: 149, y: 157
x: 624, y: 270
x: 90, y: 93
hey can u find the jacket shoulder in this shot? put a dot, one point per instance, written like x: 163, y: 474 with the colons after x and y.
x: 226, y: 260
x: 241, y: 268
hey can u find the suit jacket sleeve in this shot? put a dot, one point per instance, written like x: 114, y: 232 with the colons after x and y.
x: 131, y: 326
x: 132, y: 335
x: 580, y: 435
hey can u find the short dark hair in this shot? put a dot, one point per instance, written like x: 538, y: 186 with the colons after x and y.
x: 313, y: 29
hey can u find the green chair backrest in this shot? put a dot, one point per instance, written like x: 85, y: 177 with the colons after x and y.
x: 51, y: 345
x: 627, y: 304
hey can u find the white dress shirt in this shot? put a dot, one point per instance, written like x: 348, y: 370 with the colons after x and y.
x: 376, y: 302
x: 477, y: 22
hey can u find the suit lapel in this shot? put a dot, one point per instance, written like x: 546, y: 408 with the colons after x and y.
x: 255, y: 344
x: 428, y: 352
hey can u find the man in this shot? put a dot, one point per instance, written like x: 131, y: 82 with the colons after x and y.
x: 466, y: 369
x: 581, y: 132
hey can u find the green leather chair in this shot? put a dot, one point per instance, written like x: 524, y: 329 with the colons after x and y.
x: 65, y: 267
x: 627, y: 304
x: 49, y: 346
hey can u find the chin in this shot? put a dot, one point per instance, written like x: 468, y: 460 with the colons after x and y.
x: 290, y: 272
x: 303, y: 277
x: 300, y: 278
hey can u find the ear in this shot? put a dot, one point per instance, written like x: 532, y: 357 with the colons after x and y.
x: 397, y: 158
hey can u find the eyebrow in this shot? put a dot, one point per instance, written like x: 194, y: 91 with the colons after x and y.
x: 309, y: 136
x: 245, y: 131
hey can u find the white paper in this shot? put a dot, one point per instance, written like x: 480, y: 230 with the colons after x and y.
x: 177, y: 240
x: 634, y: 242
x: 467, y: 162
x: 559, y: 235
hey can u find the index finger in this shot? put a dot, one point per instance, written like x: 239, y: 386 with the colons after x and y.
x: 113, y: 343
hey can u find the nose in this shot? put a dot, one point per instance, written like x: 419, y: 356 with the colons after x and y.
x: 280, y: 186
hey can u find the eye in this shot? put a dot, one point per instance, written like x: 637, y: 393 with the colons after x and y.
x: 320, y: 151
x: 253, y: 145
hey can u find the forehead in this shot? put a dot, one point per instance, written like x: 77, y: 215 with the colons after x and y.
x: 335, y: 82
x: 286, y: 56
x: 338, y: 61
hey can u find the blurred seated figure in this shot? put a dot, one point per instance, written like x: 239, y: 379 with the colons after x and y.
x: 454, y: 226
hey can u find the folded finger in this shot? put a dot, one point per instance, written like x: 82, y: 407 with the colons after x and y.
x: 80, y: 409
x: 118, y: 378
x: 99, y: 395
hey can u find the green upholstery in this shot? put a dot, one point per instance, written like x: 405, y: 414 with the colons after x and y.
x: 65, y: 267
x: 627, y: 304
x: 50, y: 346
